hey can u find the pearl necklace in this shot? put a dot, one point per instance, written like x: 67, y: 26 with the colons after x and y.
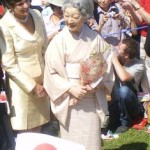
x: 23, y: 20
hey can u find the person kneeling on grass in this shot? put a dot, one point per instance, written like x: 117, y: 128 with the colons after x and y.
x: 124, y: 106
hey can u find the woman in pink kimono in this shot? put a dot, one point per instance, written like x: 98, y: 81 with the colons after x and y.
x: 76, y: 105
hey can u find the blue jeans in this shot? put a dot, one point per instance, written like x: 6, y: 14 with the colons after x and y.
x: 124, y: 106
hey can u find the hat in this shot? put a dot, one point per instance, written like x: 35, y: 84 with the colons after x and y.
x: 58, y: 3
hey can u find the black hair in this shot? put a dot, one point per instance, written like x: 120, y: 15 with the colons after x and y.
x: 132, y: 47
x: 11, y: 3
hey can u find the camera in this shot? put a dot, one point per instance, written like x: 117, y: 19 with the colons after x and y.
x: 111, y: 14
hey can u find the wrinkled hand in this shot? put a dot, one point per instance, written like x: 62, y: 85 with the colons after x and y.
x: 89, y: 89
x: 78, y: 91
x: 39, y: 90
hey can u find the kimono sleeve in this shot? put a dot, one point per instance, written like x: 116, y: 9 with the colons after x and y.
x: 55, y: 77
x: 108, y: 78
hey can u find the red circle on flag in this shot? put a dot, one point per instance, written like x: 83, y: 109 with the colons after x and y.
x: 45, y: 146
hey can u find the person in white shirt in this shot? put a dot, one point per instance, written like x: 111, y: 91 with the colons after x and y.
x: 54, y: 21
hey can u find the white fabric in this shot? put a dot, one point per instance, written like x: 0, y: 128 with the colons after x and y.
x: 50, y: 26
x: 145, y: 81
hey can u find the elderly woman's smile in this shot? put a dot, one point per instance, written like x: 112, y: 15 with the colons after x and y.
x: 73, y: 19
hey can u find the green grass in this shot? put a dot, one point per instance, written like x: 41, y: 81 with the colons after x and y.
x: 130, y: 140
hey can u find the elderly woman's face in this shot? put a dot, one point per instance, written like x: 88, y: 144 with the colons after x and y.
x: 73, y: 19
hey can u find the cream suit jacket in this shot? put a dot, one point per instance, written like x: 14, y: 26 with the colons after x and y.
x: 23, y: 60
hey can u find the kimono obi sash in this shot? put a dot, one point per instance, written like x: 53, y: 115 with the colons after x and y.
x: 73, y: 70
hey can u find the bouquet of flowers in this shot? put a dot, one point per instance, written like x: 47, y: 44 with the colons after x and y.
x: 92, y: 68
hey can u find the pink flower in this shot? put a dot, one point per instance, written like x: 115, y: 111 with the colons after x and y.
x: 92, y: 68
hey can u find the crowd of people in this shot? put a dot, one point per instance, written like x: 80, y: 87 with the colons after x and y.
x: 79, y: 64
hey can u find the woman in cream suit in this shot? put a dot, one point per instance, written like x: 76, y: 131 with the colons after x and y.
x: 23, y: 52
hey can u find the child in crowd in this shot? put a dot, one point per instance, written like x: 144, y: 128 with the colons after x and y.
x: 54, y: 21
x: 111, y: 20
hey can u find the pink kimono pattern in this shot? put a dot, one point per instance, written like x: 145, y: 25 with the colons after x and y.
x: 62, y: 70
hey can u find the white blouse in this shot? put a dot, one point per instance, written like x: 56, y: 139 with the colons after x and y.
x: 50, y: 26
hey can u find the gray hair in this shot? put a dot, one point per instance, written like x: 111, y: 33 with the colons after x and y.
x: 85, y: 7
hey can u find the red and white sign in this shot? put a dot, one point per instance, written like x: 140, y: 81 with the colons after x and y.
x: 37, y: 141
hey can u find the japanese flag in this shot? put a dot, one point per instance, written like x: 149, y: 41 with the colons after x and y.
x: 37, y: 141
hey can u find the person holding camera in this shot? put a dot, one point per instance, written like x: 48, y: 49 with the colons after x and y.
x: 110, y: 20
x: 140, y: 10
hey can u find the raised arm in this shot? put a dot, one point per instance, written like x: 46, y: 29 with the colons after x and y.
x: 137, y: 10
